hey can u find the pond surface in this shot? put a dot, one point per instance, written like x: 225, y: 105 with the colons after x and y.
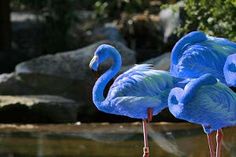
x: 108, y: 140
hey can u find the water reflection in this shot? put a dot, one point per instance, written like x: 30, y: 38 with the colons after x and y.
x: 167, y: 142
x: 40, y: 140
x: 103, y: 140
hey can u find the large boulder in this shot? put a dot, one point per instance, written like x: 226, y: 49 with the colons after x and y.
x: 65, y: 74
x: 68, y: 75
x: 11, y: 84
x: 27, y: 34
x: 37, y: 109
x: 72, y: 64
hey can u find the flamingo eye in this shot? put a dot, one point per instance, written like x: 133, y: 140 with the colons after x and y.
x: 232, y: 67
x: 174, y: 100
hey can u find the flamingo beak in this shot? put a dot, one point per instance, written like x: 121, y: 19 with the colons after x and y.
x: 94, y: 63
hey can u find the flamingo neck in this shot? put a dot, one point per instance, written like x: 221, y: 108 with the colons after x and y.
x: 189, y: 39
x: 99, y: 87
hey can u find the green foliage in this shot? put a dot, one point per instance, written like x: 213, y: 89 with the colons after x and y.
x: 101, y: 9
x: 215, y: 17
x: 111, y: 9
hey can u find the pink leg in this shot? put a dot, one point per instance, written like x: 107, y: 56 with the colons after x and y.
x: 219, y: 138
x: 145, y: 138
x: 149, y: 114
x: 211, y: 144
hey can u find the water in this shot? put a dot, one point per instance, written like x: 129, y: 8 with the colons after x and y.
x: 108, y: 140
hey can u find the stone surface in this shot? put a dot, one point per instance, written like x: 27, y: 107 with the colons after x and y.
x: 72, y: 64
x: 143, y: 33
x: 66, y: 74
x: 37, y: 109
x: 169, y: 21
x: 161, y: 62
x: 107, y: 32
x: 11, y: 84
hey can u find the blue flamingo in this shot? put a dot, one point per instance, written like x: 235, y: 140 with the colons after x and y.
x: 140, y: 92
x: 196, y: 54
x: 230, y: 70
x: 208, y: 102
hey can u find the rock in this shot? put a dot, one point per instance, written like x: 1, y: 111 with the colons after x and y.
x: 27, y: 35
x: 161, y: 62
x: 37, y: 109
x: 143, y: 33
x: 66, y: 74
x: 13, y: 85
x: 24, y: 16
x: 169, y: 20
x: 107, y: 32
x: 72, y: 64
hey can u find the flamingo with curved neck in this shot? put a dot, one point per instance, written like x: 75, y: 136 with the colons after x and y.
x: 140, y: 92
x: 197, y: 54
x: 101, y: 83
x: 208, y: 102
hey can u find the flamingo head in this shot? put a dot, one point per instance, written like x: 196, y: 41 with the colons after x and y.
x: 100, y: 55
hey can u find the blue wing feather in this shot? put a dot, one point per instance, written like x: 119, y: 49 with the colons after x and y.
x: 213, y: 106
x: 199, y: 60
x: 139, y: 88
x: 217, y: 107
x: 133, y: 92
x: 136, y: 107
x: 200, y: 56
x: 142, y: 80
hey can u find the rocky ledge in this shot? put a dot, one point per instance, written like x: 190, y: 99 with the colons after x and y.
x: 37, y: 109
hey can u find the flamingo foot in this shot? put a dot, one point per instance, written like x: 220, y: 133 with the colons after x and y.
x: 219, y: 139
x: 145, y: 139
x: 211, y: 144
x: 149, y: 114
x: 145, y: 151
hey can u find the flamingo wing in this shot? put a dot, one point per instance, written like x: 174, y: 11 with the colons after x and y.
x: 198, y: 60
x: 211, y: 104
x: 140, y: 88
x: 142, y: 80
x: 197, y: 54
x: 135, y: 107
